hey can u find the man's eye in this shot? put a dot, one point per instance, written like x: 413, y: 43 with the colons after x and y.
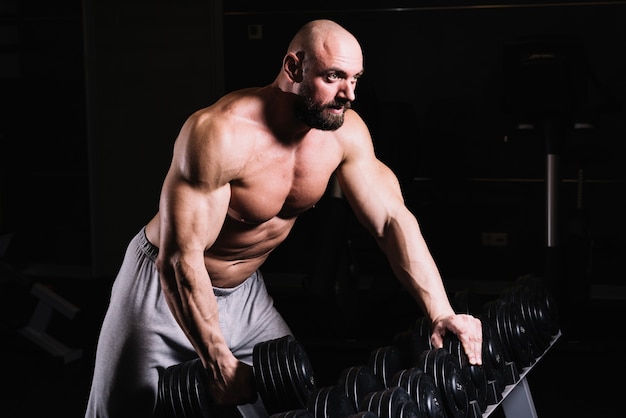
x: 333, y: 76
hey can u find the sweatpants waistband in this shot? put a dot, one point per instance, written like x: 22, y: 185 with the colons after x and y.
x: 152, y: 252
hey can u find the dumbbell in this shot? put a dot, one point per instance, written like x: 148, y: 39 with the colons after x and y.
x: 417, y: 340
x: 385, y: 362
x: 474, y: 375
x: 282, y: 372
x: 413, y: 341
x: 499, y: 371
x: 357, y: 382
x: 445, y: 370
x: 511, y: 328
x: 330, y: 402
x: 538, y: 310
x: 422, y: 389
x: 493, y: 362
x: 393, y: 402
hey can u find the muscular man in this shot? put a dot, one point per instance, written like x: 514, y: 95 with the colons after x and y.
x: 242, y: 171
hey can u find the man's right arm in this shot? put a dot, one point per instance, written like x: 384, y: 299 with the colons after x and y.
x: 193, y: 205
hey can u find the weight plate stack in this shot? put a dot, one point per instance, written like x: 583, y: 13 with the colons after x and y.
x: 530, y: 312
x: 183, y: 392
x: 422, y: 389
x: 283, y: 374
x: 473, y: 375
x: 357, y: 382
x: 385, y: 362
x: 493, y: 357
x: 330, y: 402
x: 393, y: 402
x: 445, y: 370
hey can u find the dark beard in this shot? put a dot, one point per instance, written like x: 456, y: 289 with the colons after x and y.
x: 313, y: 115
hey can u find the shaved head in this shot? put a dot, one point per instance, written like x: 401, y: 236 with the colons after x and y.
x: 323, y: 36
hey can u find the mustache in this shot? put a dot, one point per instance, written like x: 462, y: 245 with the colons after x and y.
x: 347, y: 104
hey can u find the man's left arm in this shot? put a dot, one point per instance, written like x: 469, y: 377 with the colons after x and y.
x: 375, y: 196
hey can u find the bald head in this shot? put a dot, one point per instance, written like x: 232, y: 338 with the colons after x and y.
x: 323, y: 36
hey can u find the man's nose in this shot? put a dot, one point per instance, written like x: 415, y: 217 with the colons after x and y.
x: 348, y: 90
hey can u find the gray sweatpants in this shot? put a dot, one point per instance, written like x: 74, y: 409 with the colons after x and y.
x: 140, y: 337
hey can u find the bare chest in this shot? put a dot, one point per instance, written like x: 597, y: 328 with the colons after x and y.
x: 281, y: 185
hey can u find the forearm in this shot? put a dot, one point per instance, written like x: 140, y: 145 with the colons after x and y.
x: 189, y: 294
x: 413, y: 264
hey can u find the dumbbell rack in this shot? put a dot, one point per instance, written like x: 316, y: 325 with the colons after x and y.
x: 517, y: 401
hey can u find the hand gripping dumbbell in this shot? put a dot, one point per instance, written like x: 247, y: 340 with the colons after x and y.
x: 474, y: 375
x: 282, y: 371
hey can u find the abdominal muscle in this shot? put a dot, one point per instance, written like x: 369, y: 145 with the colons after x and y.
x: 239, y: 250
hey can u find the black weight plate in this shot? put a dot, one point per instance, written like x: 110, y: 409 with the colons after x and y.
x: 185, y: 389
x: 165, y: 399
x: 395, y: 402
x: 385, y: 362
x: 519, y: 296
x: 300, y: 370
x: 540, y: 315
x: 264, y: 378
x: 474, y: 375
x: 426, y: 363
x: 358, y: 382
x: 408, y: 410
x: 372, y: 401
x: 283, y: 351
x: 495, y: 312
x: 518, y: 338
x: 330, y: 402
x: 454, y: 387
x: 282, y: 387
x: 422, y: 327
x: 175, y: 392
x: 198, y: 393
x: 421, y: 387
x: 493, y: 359
x: 198, y: 383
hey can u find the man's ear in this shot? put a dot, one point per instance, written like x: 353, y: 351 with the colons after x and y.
x: 292, y: 66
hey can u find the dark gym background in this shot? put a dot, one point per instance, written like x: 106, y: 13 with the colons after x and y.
x: 92, y: 94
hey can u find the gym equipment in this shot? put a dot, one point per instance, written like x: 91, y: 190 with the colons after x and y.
x: 49, y: 302
x: 393, y: 402
x: 445, y: 370
x: 283, y: 374
x: 422, y: 389
x: 474, y: 375
x: 282, y: 371
x: 330, y: 402
x: 385, y: 362
x: 357, y: 382
x: 510, y: 328
x: 413, y: 341
x: 534, y: 315
x: 297, y: 413
x: 493, y: 362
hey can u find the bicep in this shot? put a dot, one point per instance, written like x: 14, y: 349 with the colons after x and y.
x: 371, y: 188
x: 191, y: 214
